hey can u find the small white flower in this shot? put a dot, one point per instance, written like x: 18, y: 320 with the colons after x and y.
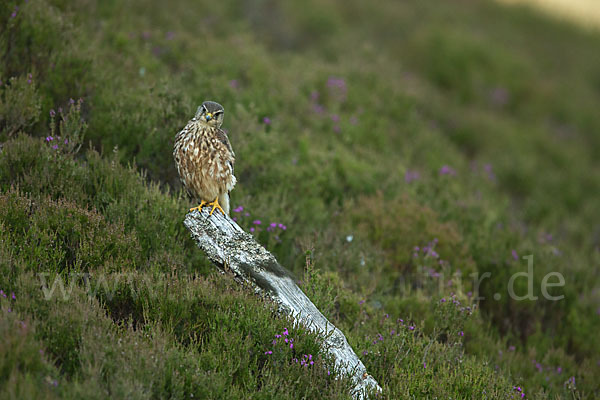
x: 349, y: 238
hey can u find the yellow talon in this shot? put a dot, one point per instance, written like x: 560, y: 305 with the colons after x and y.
x: 215, y: 204
x: 199, y: 208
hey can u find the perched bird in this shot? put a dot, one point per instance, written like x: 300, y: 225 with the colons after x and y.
x: 204, y: 158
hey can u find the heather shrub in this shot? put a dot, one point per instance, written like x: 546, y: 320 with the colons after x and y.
x: 19, y: 105
x: 384, y: 154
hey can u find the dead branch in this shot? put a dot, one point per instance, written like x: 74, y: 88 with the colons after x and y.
x: 235, y: 251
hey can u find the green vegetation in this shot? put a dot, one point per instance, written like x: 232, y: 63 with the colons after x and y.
x: 399, y: 147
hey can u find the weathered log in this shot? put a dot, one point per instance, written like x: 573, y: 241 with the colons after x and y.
x: 235, y: 251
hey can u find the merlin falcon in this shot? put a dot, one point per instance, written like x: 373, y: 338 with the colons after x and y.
x: 204, y: 159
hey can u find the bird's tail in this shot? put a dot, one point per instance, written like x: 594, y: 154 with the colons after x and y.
x: 224, y: 202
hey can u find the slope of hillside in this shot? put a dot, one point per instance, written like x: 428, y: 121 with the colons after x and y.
x: 404, y: 151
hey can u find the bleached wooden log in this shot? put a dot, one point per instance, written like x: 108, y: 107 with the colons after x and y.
x: 235, y: 251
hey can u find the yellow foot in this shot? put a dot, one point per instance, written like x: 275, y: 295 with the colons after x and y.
x: 199, y: 208
x: 215, y: 204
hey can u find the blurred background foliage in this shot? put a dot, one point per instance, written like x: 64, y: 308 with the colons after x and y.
x: 385, y: 152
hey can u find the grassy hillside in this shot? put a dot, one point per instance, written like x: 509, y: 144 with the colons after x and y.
x: 402, y: 149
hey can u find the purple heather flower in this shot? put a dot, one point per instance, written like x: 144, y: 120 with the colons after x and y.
x: 2, y: 293
x: 314, y: 96
x: 66, y: 141
x: 337, y: 88
x: 251, y: 229
x: 443, y: 300
x: 412, y: 328
x: 512, y: 348
x: 336, y: 82
x: 539, y: 367
x: 335, y: 117
x: 55, y: 147
x: 361, y: 302
x: 257, y: 222
x: 490, y: 173
x: 268, y: 352
x: 273, y: 225
x: 52, y: 113
x: 247, y: 214
x: 49, y: 138
x: 514, y: 254
x: 424, y: 365
x: 238, y: 209
x: 410, y: 176
x: 461, y: 333
x: 71, y: 101
x: 446, y: 170
x: 319, y: 109
x: 12, y: 296
x: 267, y: 120
x: 157, y: 51
x: 558, y: 370
x: 285, y: 332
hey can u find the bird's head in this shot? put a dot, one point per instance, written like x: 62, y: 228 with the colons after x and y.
x: 210, y: 113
